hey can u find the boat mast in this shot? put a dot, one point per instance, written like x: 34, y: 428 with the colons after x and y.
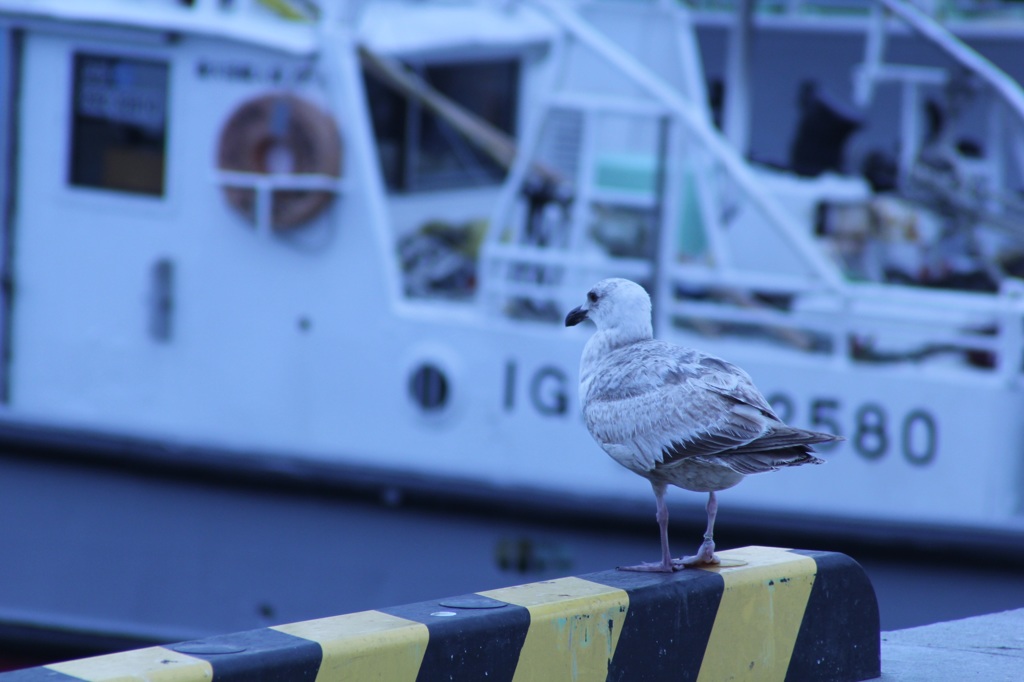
x: 736, y: 117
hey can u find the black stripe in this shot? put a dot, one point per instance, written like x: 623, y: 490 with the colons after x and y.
x: 473, y: 645
x: 258, y: 655
x: 839, y: 634
x: 668, y: 623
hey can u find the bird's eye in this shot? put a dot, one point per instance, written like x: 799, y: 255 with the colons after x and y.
x: 592, y: 297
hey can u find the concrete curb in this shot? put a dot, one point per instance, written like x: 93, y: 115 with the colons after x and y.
x: 781, y: 614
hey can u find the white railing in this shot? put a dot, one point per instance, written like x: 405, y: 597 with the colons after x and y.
x: 819, y: 311
x: 985, y: 332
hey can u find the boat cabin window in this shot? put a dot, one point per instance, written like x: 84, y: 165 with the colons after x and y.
x: 419, y: 150
x: 119, y: 124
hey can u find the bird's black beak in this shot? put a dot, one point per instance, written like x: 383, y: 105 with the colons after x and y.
x: 575, y: 316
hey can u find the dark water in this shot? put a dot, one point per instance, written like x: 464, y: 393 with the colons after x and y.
x: 112, y: 557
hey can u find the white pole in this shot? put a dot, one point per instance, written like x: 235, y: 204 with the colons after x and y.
x: 736, y: 117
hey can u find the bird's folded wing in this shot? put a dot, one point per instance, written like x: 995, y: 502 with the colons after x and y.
x: 730, y: 381
x: 661, y: 421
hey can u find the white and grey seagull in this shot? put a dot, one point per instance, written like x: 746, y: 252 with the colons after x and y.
x: 675, y: 415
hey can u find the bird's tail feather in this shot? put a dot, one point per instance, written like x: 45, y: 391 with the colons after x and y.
x: 784, y: 438
x: 785, y: 446
x: 773, y: 460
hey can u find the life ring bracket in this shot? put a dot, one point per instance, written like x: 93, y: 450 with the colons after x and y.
x: 279, y: 162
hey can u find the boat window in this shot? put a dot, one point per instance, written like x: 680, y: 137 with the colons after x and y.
x: 420, y: 151
x: 119, y: 124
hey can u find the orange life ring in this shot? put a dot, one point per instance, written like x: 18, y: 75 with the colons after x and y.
x: 272, y: 124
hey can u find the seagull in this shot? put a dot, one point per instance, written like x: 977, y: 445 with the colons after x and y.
x: 675, y: 415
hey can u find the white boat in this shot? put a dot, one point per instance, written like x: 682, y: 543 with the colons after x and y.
x: 338, y: 240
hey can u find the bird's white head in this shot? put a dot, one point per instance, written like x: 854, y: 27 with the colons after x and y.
x: 618, y: 306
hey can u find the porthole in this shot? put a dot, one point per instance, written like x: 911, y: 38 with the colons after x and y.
x: 429, y: 388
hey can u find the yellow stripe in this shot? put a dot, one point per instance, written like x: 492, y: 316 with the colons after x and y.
x: 365, y: 646
x: 759, y: 616
x: 154, y: 664
x: 574, y: 627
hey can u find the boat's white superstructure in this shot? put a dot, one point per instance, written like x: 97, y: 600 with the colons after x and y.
x: 233, y: 228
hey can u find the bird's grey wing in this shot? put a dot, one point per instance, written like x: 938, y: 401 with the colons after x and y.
x: 650, y: 404
x: 780, y: 445
x: 732, y: 382
x: 660, y: 404
x: 765, y: 444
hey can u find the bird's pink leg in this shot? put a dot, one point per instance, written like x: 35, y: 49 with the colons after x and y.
x: 666, y: 565
x: 706, y: 553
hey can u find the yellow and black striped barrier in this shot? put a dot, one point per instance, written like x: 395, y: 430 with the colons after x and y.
x: 781, y: 615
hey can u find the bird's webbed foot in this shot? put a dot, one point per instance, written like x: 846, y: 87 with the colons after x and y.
x: 705, y: 556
